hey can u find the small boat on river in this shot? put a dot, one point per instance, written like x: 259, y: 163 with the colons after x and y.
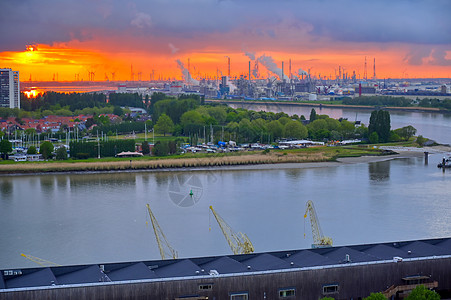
x: 446, y: 163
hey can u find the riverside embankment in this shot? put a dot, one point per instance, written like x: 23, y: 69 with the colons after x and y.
x: 305, y: 157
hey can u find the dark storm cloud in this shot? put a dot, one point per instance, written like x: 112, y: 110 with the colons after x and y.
x: 378, y: 21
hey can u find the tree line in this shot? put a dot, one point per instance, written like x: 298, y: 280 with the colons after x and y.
x: 397, y: 102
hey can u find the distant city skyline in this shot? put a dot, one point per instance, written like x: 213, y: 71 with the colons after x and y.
x: 124, y: 40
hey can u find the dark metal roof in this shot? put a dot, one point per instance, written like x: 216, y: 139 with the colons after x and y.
x: 308, y: 259
x: 202, y: 266
x: 264, y: 262
x: 419, y: 249
x: 224, y: 265
x: 88, y: 274
x: 42, y: 277
x: 179, y: 268
x: 349, y: 255
x: 385, y: 252
x: 131, y: 272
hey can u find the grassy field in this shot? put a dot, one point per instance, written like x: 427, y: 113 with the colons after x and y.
x: 191, y: 160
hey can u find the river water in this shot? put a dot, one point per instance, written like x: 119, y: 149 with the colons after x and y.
x: 95, y: 218
x: 435, y: 126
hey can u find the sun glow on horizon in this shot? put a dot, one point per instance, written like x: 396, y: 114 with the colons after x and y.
x: 33, y: 92
x: 61, y: 62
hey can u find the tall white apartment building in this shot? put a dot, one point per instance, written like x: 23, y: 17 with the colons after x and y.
x: 9, y: 88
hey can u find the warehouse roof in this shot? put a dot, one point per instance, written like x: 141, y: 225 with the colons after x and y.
x: 223, y: 265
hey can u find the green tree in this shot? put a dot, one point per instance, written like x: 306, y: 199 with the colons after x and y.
x: 406, y: 132
x: 160, y: 148
x: 375, y: 296
x: 380, y: 123
x: 347, y: 129
x: 374, y: 138
x: 246, y: 130
x: 191, y: 117
x: 284, y: 120
x: 5, y: 148
x: 145, y: 148
x: 61, y: 153
x: 313, y: 115
x: 333, y: 124
x: 32, y: 150
x: 118, y: 111
x: 219, y: 113
x: 422, y: 293
x: 164, y: 124
x: 295, y: 129
x: 318, y: 124
x: 46, y: 149
x: 421, y: 140
x: 275, y: 129
x: 394, y: 137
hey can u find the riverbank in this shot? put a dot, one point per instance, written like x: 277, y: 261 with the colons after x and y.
x: 165, y: 163
x: 303, y: 158
x: 323, y: 105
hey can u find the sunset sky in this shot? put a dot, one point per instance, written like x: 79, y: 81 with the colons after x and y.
x: 55, y: 39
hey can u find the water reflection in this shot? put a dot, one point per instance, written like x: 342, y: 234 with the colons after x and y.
x: 6, y: 188
x: 161, y: 179
x: 113, y: 180
x: 294, y: 173
x: 47, y: 184
x: 61, y: 181
x: 379, y: 171
x: 145, y: 179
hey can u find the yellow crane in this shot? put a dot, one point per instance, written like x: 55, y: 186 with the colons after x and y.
x: 238, y: 242
x: 166, y: 250
x: 319, y: 240
x: 40, y: 261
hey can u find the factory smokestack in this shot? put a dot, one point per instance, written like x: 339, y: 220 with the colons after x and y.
x: 282, y: 73
x: 290, y: 70
x: 374, y: 69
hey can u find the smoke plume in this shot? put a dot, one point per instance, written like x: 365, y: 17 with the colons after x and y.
x: 186, y: 75
x: 269, y: 63
x: 302, y: 72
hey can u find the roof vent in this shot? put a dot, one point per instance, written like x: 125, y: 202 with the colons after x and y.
x: 347, y: 258
x: 248, y: 267
x: 292, y: 263
x: 409, y: 252
x: 288, y: 254
x: 214, y: 273
x: 197, y: 272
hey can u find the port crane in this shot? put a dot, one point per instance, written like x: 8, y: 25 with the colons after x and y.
x: 319, y: 240
x: 40, y: 261
x: 238, y: 241
x: 166, y: 250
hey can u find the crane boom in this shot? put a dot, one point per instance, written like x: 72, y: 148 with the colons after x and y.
x: 319, y: 240
x: 40, y: 261
x: 238, y: 242
x: 165, y: 249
